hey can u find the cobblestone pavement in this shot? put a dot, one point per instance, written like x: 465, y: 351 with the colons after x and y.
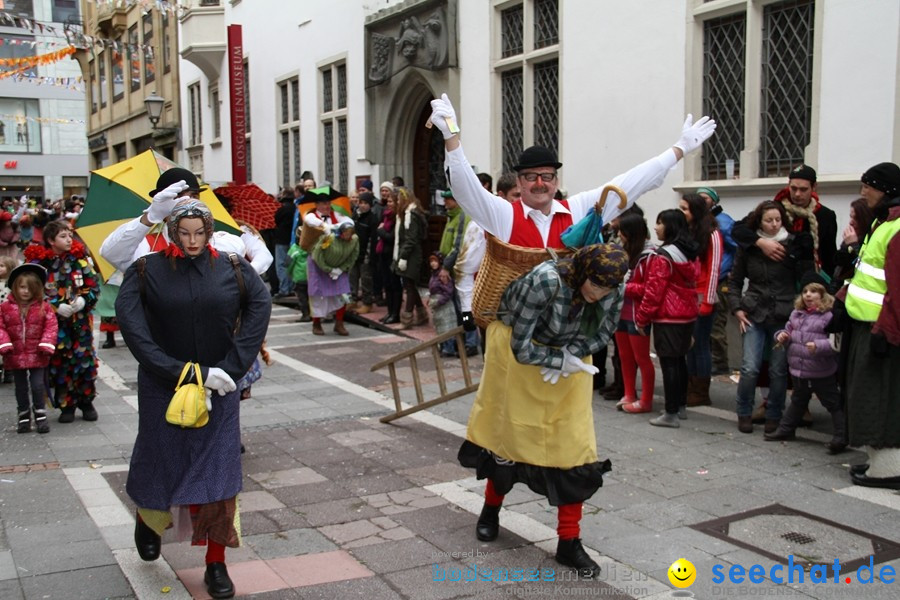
x: 336, y: 504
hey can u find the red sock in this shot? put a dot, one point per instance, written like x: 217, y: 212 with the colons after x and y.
x: 569, y: 516
x: 339, y: 314
x: 317, y: 321
x: 215, y: 552
x: 491, y: 497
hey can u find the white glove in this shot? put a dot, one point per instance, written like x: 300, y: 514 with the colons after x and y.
x: 65, y: 310
x: 551, y: 375
x: 401, y: 265
x: 164, y: 202
x: 335, y: 273
x: 77, y: 304
x: 444, y: 117
x: 573, y: 364
x: 219, y: 380
x: 694, y: 134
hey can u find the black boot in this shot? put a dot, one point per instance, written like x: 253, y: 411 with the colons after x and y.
x: 572, y: 554
x: 147, y: 542
x: 40, y: 420
x: 488, y: 526
x: 790, y: 420
x: 24, y: 422
x: 218, y: 583
x: 838, y: 441
x: 67, y: 415
x: 88, y: 412
x: 110, y: 340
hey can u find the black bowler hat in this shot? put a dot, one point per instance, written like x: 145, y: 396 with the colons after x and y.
x: 537, y: 156
x: 37, y: 269
x: 174, y: 175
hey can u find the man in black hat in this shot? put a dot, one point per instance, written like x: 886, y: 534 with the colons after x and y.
x: 538, y: 220
x: 873, y: 353
x: 805, y: 213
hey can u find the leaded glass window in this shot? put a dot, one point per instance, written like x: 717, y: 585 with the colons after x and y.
x: 341, y: 182
x: 724, y: 46
x: 546, y: 104
x: 341, y: 86
x: 328, y: 139
x: 327, y: 93
x: 787, y: 60
x: 511, y: 115
x: 546, y: 23
x: 511, y: 24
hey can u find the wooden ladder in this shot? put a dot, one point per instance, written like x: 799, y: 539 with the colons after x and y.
x: 432, y: 345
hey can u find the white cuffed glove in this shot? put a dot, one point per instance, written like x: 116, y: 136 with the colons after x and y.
x: 401, y: 265
x: 208, y: 396
x: 77, y: 304
x: 164, y: 202
x: 573, y: 364
x: 219, y: 380
x: 335, y: 273
x: 65, y: 310
x: 444, y: 117
x: 694, y: 134
x: 551, y: 375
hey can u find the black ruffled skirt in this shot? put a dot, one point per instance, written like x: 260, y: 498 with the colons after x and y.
x: 559, y: 486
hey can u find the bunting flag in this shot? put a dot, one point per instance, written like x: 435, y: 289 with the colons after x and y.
x: 72, y: 83
x: 41, y: 59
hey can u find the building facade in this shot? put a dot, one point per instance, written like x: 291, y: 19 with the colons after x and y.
x: 341, y: 88
x: 128, y: 54
x: 43, y: 151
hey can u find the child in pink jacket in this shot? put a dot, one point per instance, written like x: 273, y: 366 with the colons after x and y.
x: 28, y: 330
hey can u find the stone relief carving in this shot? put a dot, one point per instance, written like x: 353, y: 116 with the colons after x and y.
x: 422, y: 44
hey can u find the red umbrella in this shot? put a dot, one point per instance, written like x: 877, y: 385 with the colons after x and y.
x: 250, y: 204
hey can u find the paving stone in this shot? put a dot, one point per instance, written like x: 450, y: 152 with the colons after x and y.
x: 351, y: 469
x: 299, y: 495
x: 79, y: 584
x: 396, y: 556
x: 289, y: 477
x: 293, y: 542
x: 337, y: 511
x: 374, y: 484
x: 425, y: 582
x: 53, y: 558
x: 259, y: 500
x: 368, y: 588
x: 348, y: 532
x: 11, y: 590
x: 438, y: 518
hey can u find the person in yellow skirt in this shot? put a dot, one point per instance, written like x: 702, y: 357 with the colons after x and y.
x: 532, y: 420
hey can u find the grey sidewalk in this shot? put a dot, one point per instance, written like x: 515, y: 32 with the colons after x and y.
x: 336, y: 504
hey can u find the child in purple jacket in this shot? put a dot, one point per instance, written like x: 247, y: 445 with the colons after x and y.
x: 813, y: 363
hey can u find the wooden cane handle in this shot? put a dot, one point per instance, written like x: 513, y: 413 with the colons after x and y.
x: 606, y: 190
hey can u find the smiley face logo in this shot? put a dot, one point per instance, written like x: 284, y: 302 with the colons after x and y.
x: 682, y: 573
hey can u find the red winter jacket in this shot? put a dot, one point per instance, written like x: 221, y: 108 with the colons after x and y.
x: 27, y: 343
x: 670, y: 289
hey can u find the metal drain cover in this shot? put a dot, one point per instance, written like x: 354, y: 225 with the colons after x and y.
x: 777, y: 531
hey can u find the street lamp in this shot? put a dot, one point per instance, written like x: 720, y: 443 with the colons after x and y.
x: 154, y: 105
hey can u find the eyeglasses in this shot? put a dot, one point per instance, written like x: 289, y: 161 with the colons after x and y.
x: 532, y: 177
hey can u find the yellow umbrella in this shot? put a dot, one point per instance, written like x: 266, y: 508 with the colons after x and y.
x: 119, y: 193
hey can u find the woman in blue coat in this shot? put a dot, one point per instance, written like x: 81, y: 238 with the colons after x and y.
x: 190, y: 303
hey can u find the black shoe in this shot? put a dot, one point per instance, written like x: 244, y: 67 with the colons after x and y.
x: 218, y: 583
x: 858, y: 469
x: 391, y: 319
x: 147, y: 542
x: 572, y: 554
x: 890, y: 483
x: 110, y: 343
x: 614, y: 393
x: 88, y: 412
x: 471, y: 350
x: 243, y: 449
x: 836, y: 446
x: 67, y: 415
x: 305, y: 319
x: 488, y: 526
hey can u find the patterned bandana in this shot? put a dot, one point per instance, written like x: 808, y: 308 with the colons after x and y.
x: 603, y: 264
x: 189, y: 207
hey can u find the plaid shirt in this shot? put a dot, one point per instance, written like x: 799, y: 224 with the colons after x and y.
x: 537, y: 306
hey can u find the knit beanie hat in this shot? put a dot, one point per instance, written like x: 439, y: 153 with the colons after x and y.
x: 709, y: 192
x: 884, y: 177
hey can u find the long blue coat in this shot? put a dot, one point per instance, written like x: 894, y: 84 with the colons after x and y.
x: 189, y: 315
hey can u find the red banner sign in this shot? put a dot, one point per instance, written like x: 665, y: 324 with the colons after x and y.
x: 237, y: 99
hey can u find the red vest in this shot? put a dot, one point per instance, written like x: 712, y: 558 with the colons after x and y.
x: 525, y: 232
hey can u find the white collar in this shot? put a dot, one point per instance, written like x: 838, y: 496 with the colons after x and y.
x: 555, y: 207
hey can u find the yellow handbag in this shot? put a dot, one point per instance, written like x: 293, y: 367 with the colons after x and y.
x: 187, y: 408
